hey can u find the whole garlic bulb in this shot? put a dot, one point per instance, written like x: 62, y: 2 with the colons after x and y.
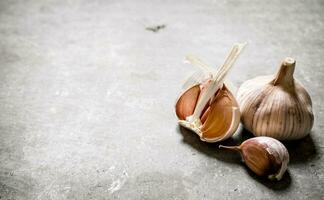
x: 265, y: 156
x: 276, y: 106
x: 208, y: 108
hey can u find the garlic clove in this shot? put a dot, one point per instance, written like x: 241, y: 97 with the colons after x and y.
x: 187, y: 102
x: 276, y: 106
x: 222, y: 117
x: 209, y: 108
x: 265, y: 156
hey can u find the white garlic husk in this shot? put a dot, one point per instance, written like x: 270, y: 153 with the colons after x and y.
x: 265, y: 156
x: 276, y: 106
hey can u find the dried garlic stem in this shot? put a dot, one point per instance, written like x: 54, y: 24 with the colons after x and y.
x: 217, y: 81
x: 199, y: 63
x: 235, y: 148
x: 285, y: 75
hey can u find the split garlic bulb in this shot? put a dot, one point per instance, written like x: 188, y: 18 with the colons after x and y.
x: 265, y: 156
x: 208, y: 107
x: 276, y: 106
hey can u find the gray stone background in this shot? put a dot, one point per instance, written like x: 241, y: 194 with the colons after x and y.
x: 87, y: 97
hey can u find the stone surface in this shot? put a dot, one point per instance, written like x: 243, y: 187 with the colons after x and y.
x: 87, y: 90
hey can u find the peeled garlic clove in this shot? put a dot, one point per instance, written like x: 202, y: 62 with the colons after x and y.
x: 276, y: 106
x: 208, y: 108
x: 265, y: 156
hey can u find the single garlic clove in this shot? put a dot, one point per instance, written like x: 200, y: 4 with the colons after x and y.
x: 208, y: 108
x: 221, y: 119
x: 276, y: 106
x: 265, y: 156
x: 187, y: 102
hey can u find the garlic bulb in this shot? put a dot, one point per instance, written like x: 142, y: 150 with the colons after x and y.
x: 208, y: 108
x: 265, y: 156
x: 277, y: 107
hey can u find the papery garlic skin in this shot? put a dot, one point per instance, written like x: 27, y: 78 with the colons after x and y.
x: 276, y: 106
x: 265, y: 156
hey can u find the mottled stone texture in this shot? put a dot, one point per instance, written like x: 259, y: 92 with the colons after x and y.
x: 87, y: 90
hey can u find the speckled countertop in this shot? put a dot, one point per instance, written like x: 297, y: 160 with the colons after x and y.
x: 87, y: 90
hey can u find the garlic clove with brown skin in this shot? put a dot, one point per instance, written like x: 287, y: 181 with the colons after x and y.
x: 208, y: 108
x: 265, y: 156
x: 276, y: 106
